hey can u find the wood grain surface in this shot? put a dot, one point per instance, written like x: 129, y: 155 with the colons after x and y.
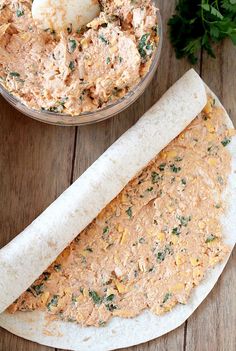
x: 38, y: 162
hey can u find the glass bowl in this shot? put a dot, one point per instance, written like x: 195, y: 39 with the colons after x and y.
x: 100, y: 114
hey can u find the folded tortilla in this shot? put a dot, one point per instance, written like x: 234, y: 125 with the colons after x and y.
x: 27, y: 256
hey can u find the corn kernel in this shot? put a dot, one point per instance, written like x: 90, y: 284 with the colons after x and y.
x: 123, y: 198
x: 213, y: 261
x: 161, y: 236
x: 120, y: 287
x: 209, y: 127
x: 113, y: 49
x: 167, y: 308
x: 194, y: 261
x: 170, y: 209
x: 120, y: 228
x: 174, y: 239
x: 178, y: 287
x: 124, y: 237
x: 179, y: 259
x: 85, y: 292
x: 84, y: 43
x: 201, y: 225
x: 197, y: 273
x: 44, y: 297
x: 212, y: 162
x: 208, y: 108
x: 171, y: 154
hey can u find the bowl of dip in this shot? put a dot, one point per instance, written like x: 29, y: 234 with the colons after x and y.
x: 81, y: 76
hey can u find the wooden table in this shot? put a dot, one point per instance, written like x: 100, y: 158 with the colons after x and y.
x: 38, y: 162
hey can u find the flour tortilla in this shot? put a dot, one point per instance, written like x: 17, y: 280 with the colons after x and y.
x: 126, y: 332
x: 24, y: 259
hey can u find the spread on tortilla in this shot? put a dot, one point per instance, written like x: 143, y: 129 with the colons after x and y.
x: 81, y: 69
x: 151, y: 245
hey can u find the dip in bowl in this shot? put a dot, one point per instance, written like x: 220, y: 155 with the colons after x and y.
x: 81, y: 75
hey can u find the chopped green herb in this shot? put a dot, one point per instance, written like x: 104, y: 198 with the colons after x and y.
x: 53, y: 302
x: 226, y: 141
x: 83, y: 260
x: 72, y: 44
x: 149, y: 189
x: 213, y: 150
x: 57, y: 267
x: 51, y: 31
x: 74, y: 298
x: 184, y: 220
x: 46, y: 276
x: 178, y: 159
x: 108, y: 60
x: 183, y: 181
x: 168, y: 249
x: 38, y: 289
x: 129, y: 212
x: 210, y: 238
x: 220, y: 180
x: 111, y: 307
x: 141, y: 241
x: 50, y: 109
x: 105, y: 232
x: 160, y: 256
x: 71, y: 319
x: 72, y: 65
x: 95, y: 297
x: 102, y: 323
x: 144, y: 45
x: 19, y: 13
x: 175, y: 169
x: 155, y: 177
x: 14, y: 74
x: 176, y: 231
x: 89, y: 249
x: 62, y: 101
x: 110, y: 297
x: 162, y: 167
x: 103, y: 39
x: 166, y: 297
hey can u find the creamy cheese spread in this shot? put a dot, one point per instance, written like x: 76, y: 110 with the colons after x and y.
x: 79, y: 69
x: 152, y: 244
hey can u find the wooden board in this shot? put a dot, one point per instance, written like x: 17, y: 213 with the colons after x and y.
x: 37, y: 162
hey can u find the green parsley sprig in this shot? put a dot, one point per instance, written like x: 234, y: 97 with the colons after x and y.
x: 197, y: 24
